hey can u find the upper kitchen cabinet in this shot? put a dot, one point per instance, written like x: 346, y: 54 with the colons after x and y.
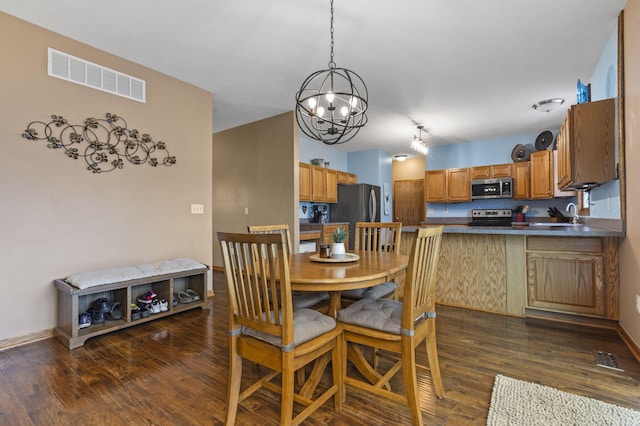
x: 347, y: 178
x: 490, y: 172
x: 521, y: 181
x: 541, y: 175
x: 447, y: 186
x: 544, y: 176
x: 586, y: 145
x: 304, y: 174
x: 318, y: 184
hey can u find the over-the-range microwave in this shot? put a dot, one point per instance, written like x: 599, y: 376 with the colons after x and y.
x: 491, y: 188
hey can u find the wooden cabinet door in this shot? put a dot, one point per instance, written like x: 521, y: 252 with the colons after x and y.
x: 331, y: 177
x: 521, y: 181
x: 304, y: 182
x: 353, y: 179
x: 541, y: 177
x: 435, y: 188
x: 318, y: 184
x: 343, y: 177
x: 458, y: 185
x: 480, y: 172
x: 500, y: 170
x: 566, y: 282
x: 587, y: 151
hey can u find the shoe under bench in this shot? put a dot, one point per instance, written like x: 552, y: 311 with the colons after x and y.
x: 73, y: 301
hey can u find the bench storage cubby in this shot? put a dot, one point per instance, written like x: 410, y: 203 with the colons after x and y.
x: 77, y: 293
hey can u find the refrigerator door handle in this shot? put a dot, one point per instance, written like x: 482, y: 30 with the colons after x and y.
x: 372, y: 206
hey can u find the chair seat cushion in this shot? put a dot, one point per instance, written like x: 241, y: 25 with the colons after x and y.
x: 307, y: 324
x: 307, y: 299
x: 380, y: 290
x: 378, y: 314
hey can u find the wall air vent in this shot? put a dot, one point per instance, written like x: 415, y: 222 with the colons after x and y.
x: 76, y: 70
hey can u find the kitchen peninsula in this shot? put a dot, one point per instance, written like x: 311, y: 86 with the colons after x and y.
x: 568, y: 273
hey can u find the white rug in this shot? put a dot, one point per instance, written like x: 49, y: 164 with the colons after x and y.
x: 518, y: 403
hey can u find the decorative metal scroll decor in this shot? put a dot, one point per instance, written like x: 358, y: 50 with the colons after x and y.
x: 104, y: 144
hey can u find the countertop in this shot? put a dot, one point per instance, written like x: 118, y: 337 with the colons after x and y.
x: 599, y: 229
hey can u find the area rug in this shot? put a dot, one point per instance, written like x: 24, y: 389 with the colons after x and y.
x: 518, y: 403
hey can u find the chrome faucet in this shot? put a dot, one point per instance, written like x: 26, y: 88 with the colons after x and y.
x: 575, y: 218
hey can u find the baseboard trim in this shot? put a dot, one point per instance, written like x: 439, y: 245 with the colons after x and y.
x: 635, y: 350
x: 541, y: 314
x: 23, y: 340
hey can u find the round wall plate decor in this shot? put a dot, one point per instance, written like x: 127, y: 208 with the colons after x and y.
x: 544, y: 140
x: 520, y: 153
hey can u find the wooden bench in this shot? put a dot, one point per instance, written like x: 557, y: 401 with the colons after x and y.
x: 78, y: 292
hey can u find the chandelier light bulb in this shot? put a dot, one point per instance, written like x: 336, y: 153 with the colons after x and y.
x: 344, y: 111
x: 330, y: 96
x: 320, y: 111
x: 312, y: 103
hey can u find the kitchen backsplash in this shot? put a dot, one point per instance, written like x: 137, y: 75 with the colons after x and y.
x: 306, y: 210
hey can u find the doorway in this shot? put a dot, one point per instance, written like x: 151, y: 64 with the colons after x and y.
x: 408, y: 201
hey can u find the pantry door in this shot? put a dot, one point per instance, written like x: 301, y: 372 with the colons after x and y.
x: 408, y: 201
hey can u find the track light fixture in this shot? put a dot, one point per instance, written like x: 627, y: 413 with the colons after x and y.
x: 419, y: 145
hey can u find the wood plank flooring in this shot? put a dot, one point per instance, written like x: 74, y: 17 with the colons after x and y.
x: 174, y: 372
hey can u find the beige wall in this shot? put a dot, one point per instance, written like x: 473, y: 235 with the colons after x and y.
x: 255, y: 166
x: 630, y: 247
x: 409, y: 169
x: 56, y: 217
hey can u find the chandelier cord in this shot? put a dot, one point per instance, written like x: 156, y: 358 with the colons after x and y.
x: 332, y: 64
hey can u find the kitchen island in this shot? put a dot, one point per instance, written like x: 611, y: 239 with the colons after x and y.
x: 565, y: 273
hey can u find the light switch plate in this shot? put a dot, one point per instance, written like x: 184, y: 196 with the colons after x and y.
x: 197, y: 208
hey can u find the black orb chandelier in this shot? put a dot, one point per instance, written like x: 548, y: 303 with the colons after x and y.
x: 331, y: 104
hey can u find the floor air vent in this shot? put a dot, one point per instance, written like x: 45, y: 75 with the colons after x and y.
x: 76, y: 70
x: 607, y: 360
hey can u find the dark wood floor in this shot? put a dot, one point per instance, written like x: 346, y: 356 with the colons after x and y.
x: 173, y: 372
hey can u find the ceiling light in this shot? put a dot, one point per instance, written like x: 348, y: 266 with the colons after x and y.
x: 548, y: 105
x: 331, y: 104
x: 400, y: 157
x: 419, y: 145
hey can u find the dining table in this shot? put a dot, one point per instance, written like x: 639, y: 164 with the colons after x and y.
x: 359, y: 269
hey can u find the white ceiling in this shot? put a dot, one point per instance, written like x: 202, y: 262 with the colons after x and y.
x: 465, y: 69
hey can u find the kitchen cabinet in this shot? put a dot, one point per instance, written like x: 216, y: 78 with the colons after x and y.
x: 521, y: 181
x: 490, y: 172
x: 566, y: 275
x: 331, y: 186
x: 317, y: 184
x: 325, y: 230
x: 347, y: 178
x: 541, y: 175
x: 448, y: 185
x: 304, y: 181
x: 586, y: 145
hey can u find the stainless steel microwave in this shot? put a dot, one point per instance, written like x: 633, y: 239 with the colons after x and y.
x: 491, y: 188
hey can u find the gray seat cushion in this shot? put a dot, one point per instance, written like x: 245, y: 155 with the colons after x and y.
x: 378, y: 314
x: 380, y: 290
x: 307, y: 324
x: 307, y: 299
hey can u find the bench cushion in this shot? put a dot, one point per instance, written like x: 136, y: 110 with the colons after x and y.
x: 125, y: 273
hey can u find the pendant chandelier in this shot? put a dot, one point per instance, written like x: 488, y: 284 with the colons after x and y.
x: 331, y: 104
x: 419, y: 145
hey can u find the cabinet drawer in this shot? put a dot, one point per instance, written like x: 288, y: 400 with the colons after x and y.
x: 564, y: 244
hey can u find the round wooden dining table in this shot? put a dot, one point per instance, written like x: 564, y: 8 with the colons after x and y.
x: 370, y: 269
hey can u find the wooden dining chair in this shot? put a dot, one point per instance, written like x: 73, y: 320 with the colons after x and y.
x: 376, y: 236
x: 398, y: 328
x: 265, y: 328
x: 301, y: 299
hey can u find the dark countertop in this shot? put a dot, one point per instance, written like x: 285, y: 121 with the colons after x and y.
x: 585, y: 230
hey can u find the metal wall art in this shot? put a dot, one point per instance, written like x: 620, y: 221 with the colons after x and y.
x: 104, y: 144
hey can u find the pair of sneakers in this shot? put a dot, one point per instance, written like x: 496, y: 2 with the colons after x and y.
x: 156, y: 306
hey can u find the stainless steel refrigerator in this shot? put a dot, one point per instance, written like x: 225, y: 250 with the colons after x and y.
x: 356, y: 203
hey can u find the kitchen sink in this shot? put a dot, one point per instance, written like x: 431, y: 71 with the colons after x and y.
x: 555, y: 224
